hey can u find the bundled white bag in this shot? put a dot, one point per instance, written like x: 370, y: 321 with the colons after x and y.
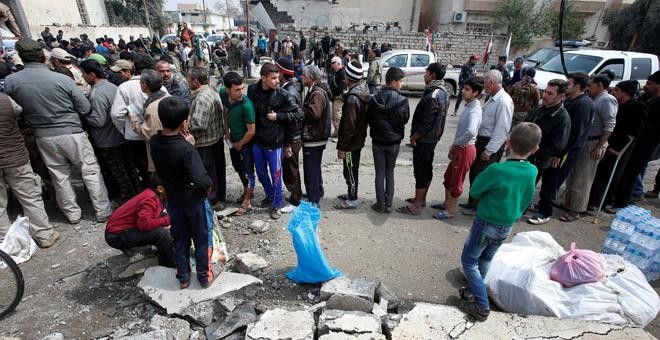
x: 519, y: 282
x: 18, y: 243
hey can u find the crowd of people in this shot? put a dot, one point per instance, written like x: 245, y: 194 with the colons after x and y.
x: 149, y: 137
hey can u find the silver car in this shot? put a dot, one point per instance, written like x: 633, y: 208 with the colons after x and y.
x: 414, y: 64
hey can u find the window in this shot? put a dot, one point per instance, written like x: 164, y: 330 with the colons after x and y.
x: 82, y: 9
x: 478, y: 28
x: 399, y: 60
x: 574, y: 63
x: 419, y: 60
x: 614, y: 65
x: 641, y: 68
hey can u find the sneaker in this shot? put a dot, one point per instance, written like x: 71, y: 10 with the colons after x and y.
x: 471, y: 309
x: 465, y: 294
x: 651, y: 194
x: 288, y: 209
x: 49, y: 243
x: 635, y: 199
x: 102, y: 219
x: 184, y: 284
x: 274, y: 214
x: 539, y: 219
x: 76, y: 221
x: 377, y: 208
x: 215, y: 269
x: 266, y: 203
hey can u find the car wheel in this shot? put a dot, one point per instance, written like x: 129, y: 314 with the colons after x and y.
x: 449, y: 87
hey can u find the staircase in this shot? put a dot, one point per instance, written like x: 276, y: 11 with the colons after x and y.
x: 278, y: 18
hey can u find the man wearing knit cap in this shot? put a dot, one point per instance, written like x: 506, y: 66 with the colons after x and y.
x: 352, y: 132
x: 338, y: 87
x: 52, y: 107
x: 628, y: 190
x: 630, y: 119
x: 293, y: 133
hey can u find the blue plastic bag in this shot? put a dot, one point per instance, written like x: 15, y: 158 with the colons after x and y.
x: 312, y: 264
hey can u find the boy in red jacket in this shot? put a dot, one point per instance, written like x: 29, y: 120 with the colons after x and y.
x: 142, y: 221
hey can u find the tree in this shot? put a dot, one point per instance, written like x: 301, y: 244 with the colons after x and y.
x: 574, y: 23
x: 636, y: 27
x: 231, y: 8
x: 131, y: 12
x: 521, y: 19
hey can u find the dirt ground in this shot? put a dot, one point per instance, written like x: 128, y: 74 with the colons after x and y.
x: 70, y: 287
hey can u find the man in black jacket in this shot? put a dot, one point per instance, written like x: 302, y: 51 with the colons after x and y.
x: 388, y: 114
x: 630, y: 119
x: 555, y: 124
x: 428, y: 124
x: 274, y: 108
x: 352, y: 132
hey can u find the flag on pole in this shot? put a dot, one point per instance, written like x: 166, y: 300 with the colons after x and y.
x: 508, y: 48
x: 428, y: 40
x: 488, y: 51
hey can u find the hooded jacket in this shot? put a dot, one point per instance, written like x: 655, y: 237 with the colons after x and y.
x: 270, y: 134
x: 318, y: 114
x: 430, y: 114
x: 388, y: 114
x: 353, y: 124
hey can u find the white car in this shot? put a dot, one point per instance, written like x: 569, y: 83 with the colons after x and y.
x: 625, y: 65
x: 414, y: 63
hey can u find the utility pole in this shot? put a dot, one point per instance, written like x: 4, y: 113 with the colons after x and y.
x: 206, y: 25
x: 247, y: 23
x: 146, y: 16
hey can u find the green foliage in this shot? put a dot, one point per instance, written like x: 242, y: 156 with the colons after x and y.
x: 521, y: 19
x: 131, y: 12
x: 641, y: 18
x: 574, y: 23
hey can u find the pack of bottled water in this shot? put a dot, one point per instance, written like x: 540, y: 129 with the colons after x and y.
x: 635, y: 235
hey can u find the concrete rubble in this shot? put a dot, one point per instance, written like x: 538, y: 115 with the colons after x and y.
x: 247, y: 263
x: 349, y: 303
x: 280, y: 324
x: 153, y: 335
x: 348, y: 322
x: 240, y: 317
x: 344, y: 336
x: 54, y: 336
x: 178, y: 328
x: 343, y: 285
x: 259, y: 226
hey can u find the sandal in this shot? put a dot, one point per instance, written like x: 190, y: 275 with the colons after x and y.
x: 570, y: 217
x: 243, y: 210
x: 406, y: 210
x: 412, y: 199
x: 344, y: 205
x: 442, y: 215
x: 439, y: 206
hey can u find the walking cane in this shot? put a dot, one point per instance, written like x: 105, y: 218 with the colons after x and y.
x: 607, y: 188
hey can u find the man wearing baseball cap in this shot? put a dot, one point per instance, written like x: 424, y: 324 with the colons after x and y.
x: 62, y: 58
x: 52, y: 107
x: 468, y: 71
x: 122, y: 71
x: 518, y: 70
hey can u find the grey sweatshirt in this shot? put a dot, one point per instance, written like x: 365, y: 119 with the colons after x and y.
x: 102, y: 131
x: 52, y: 103
x: 468, y: 124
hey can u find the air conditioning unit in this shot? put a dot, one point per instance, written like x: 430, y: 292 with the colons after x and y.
x: 459, y: 16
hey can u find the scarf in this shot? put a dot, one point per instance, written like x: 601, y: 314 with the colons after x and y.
x: 435, y: 84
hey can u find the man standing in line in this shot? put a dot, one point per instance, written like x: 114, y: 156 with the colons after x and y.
x: 578, y: 183
x: 468, y: 70
x: 52, y: 105
x: 525, y: 95
x: 555, y: 124
x: 428, y: 125
x: 352, y: 133
x: 302, y: 46
x: 518, y: 70
x: 174, y: 86
x: 274, y: 109
x: 338, y: 87
x: 506, y: 77
x: 206, y: 124
x: 494, y: 129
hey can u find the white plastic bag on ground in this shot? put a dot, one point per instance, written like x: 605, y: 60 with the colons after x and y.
x: 519, y: 282
x: 18, y: 243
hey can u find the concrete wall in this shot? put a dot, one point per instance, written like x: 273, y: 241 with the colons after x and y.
x: 93, y: 31
x: 62, y: 12
x: 451, y: 48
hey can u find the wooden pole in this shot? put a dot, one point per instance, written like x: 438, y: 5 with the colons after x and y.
x: 146, y: 16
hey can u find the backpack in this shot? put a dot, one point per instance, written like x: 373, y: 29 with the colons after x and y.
x: 521, y: 94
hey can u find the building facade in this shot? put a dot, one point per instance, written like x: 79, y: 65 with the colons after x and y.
x: 199, y: 19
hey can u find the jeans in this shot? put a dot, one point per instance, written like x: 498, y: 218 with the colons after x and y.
x: 351, y: 170
x: 548, y: 177
x: 268, y: 163
x: 312, y: 159
x: 213, y: 157
x: 132, y: 237
x: 480, y: 247
x: 571, y: 160
x: 188, y: 223
x: 243, y: 163
x: 384, y: 162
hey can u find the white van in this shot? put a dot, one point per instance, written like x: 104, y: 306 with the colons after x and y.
x: 625, y: 65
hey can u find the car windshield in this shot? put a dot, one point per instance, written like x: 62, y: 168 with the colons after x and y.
x: 541, y: 55
x: 574, y: 63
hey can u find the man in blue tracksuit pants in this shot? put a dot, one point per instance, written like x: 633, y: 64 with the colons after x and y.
x: 275, y: 108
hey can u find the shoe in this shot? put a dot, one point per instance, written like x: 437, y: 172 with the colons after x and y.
x: 465, y: 294
x: 651, y: 194
x: 184, y: 284
x: 611, y: 210
x: 469, y: 212
x: 471, y: 309
x: 467, y: 206
x: 219, y: 205
x: 539, y: 219
x: 635, y: 199
x: 266, y: 203
x: 49, y: 243
x: 274, y: 214
x: 76, y: 221
x: 377, y: 208
x: 215, y: 269
x: 130, y: 252
x: 102, y: 219
x: 288, y: 209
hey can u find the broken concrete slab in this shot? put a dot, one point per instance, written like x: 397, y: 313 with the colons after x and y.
x: 389, y: 322
x: 178, y: 328
x: 137, y: 268
x: 344, y: 336
x: 226, y: 212
x: 280, y: 324
x: 380, y: 309
x: 343, y: 285
x: 154, y: 335
x: 349, y: 303
x: 429, y: 321
x: 317, y: 307
x: 162, y: 287
x: 250, y: 262
x: 348, y: 322
x: 202, y: 312
x: 259, y: 226
x: 228, y: 302
x: 384, y: 293
x: 54, y: 336
x: 241, y: 317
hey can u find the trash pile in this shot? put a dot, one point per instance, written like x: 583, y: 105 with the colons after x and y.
x: 635, y: 235
x: 589, y: 286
